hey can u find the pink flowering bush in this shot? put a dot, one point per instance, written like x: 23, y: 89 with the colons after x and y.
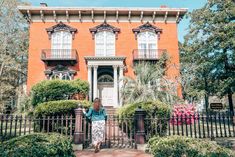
x: 183, y: 114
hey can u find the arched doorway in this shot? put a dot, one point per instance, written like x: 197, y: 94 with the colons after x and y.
x: 106, y: 89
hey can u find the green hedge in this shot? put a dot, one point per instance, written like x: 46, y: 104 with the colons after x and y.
x: 157, y: 108
x: 35, y: 145
x: 178, y: 146
x: 58, y: 108
x: 153, y: 108
x: 50, y: 90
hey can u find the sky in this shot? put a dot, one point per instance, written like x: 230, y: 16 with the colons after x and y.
x: 182, y: 27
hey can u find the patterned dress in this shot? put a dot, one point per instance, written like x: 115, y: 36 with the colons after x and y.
x: 98, y: 131
x: 98, y: 119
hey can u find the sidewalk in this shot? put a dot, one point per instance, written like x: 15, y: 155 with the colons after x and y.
x: 112, y: 153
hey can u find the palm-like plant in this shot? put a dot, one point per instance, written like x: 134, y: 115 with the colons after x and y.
x: 149, y: 84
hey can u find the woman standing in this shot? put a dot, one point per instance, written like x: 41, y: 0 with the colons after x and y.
x: 97, y: 115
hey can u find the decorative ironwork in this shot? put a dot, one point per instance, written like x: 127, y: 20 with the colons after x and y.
x: 105, y: 78
x: 104, y: 27
x: 147, y: 54
x: 59, y: 55
x: 60, y: 72
x: 61, y: 27
x: 147, y: 27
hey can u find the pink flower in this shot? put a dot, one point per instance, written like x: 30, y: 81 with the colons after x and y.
x: 184, y: 114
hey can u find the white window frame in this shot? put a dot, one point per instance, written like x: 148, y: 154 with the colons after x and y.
x: 147, y: 51
x: 61, y: 48
x: 105, y: 44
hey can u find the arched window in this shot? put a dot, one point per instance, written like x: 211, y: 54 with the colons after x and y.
x: 61, y: 44
x: 61, y: 76
x: 147, y: 36
x: 105, y: 79
x: 61, y: 40
x: 105, y: 36
x: 147, y: 44
x: 61, y: 36
x: 60, y: 72
x: 105, y: 43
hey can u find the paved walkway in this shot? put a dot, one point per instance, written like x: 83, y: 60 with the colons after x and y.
x: 112, y: 153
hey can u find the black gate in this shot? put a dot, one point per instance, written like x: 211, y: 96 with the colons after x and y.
x: 119, y: 133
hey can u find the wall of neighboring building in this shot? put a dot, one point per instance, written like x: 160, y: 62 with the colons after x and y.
x: 85, y: 46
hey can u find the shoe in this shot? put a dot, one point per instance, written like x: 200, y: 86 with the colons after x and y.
x: 96, y: 149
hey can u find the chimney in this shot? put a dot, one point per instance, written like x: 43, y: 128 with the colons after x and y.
x: 43, y: 4
x: 163, y: 6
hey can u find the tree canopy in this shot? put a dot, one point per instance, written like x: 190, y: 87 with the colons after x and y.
x: 13, y: 51
x: 209, y: 48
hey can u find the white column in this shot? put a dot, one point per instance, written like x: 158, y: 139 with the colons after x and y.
x: 115, y: 93
x: 90, y: 81
x: 120, y: 84
x: 95, y: 81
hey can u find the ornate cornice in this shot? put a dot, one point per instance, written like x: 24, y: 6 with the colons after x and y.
x: 147, y: 27
x: 60, y: 27
x: 104, y: 27
x: 87, y: 58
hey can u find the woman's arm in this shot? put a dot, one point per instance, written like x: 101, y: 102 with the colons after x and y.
x: 88, y: 114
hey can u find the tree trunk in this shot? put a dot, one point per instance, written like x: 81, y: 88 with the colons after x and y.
x: 206, y: 101
x: 230, y: 101
x: 230, y: 93
x: 206, y: 97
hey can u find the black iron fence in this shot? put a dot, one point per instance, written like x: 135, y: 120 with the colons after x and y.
x: 118, y: 132
x: 13, y: 125
x: 196, y: 126
x: 122, y: 132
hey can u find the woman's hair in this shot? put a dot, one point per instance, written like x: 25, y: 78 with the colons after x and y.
x: 96, y: 104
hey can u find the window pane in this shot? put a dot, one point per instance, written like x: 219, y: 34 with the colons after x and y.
x: 109, y: 52
x: 110, y: 37
x: 151, y: 37
x: 105, y: 43
x: 148, y: 41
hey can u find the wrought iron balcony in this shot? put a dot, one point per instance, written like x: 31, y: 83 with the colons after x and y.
x: 61, y: 56
x: 147, y: 54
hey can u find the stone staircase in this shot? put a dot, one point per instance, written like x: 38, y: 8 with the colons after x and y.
x: 110, y: 110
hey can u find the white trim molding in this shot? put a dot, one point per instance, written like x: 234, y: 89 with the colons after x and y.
x: 101, y: 14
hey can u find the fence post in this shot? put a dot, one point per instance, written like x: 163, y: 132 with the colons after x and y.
x: 78, y: 133
x: 139, y: 124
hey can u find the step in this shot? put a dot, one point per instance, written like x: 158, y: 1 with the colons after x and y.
x: 110, y: 110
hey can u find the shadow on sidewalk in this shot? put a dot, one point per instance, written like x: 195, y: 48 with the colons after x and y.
x: 112, y: 153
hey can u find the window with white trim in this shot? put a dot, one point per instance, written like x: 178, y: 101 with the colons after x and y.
x: 105, y: 43
x: 61, y: 44
x: 147, y: 44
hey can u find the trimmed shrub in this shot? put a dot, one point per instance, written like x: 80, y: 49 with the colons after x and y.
x: 178, y: 146
x: 57, y: 108
x: 60, y: 107
x: 157, y: 108
x: 50, y: 90
x: 34, y: 145
x: 80, y: 86
x: 154, y: 109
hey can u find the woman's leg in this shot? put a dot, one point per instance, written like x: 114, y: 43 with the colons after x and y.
x: 96, y: 148
x: 99, y: 145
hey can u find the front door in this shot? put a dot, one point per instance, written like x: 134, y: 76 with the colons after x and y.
x: 106, y: 94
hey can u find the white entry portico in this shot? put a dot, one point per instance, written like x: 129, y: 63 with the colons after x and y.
x: 105, y: 77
